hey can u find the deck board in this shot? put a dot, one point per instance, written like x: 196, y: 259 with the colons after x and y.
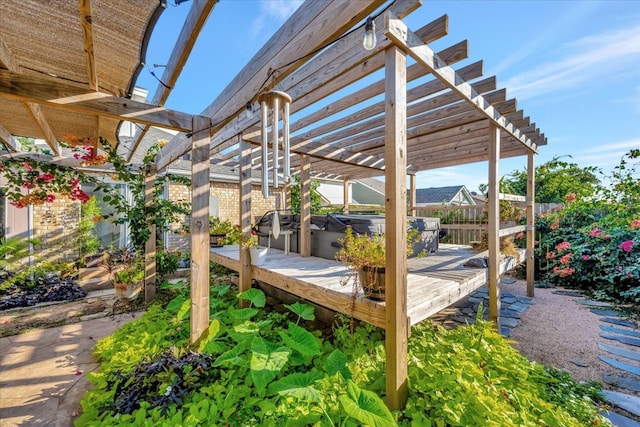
x: 433, y: 282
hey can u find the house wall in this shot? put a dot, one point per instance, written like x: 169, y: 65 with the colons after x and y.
x: 55, y: 225
x: 228, y: 195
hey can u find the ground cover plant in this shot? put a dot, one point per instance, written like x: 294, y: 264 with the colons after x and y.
x: 254, y: 366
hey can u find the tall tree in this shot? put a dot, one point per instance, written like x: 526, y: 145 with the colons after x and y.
x: 554, y: 180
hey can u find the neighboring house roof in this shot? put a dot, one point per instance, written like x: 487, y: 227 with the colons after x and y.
x: 375, y: 184
x: 455, y: 194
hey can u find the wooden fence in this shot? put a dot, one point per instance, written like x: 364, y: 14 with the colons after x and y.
x: 467, y: 223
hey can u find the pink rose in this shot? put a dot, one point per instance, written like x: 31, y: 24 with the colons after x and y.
x: 626, y: 245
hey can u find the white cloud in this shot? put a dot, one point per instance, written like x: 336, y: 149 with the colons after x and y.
x: 273, y: 13
x: 623, y: 146
x: 600, y: 56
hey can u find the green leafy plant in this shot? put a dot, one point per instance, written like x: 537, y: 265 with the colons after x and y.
x: 593, y: 243
x: 231, y: 232
x: 86, y: 241
x: 259, y: 368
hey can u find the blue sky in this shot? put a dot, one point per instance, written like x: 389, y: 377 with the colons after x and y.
x: 574, y: 67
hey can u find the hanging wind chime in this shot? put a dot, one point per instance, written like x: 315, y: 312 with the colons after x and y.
x: 272, y: 102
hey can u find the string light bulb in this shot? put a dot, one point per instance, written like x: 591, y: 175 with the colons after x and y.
x: 370, y: 40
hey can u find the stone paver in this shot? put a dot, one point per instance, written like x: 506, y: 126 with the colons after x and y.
x: 42, y: 373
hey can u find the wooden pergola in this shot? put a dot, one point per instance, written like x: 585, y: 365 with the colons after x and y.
x: 354, y: 113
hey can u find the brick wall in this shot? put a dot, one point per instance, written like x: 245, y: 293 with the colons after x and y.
x: 229, y: 198
x: 56, y: 226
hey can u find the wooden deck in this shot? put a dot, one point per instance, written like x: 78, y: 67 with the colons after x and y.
x: 434, y: 282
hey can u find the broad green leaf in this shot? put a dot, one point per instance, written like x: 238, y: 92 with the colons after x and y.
x: 175, y: 304
x: 299, y: 385
x: 184, y: 312
x: 244, y: 313
x: 366, y: 407
x: 255, y: 296
x: 234, y: 357
x: 337, y: 362
x: 267, y: 359
x: 209, y: 335
x: 301, y: 340
x: 304, y: 311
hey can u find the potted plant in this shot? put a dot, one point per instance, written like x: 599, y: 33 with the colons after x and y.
x: 222, y: 232
x: 258, y: 253
x: 127, y: 273
x: 364, y: 255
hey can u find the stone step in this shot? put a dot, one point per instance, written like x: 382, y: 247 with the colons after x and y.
x: 627, y: 367
x: 593, y: 303
x: 622, y: 352
x: 620, y: 322
x: 623, y: 339
x: 604, y: 312
x: 619, y: 420
x: 622, y: 381
x: 621, y: 331
x: 624, y: 401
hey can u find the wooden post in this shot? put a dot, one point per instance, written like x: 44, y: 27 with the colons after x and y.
x: 305, y: 205
x: 345, y: 195
x: 412, y: 195
x: 200, y: 227
x: 531, y: 222
x: 396, y: 334
x: 150, y: 245
x: 245, y: 214
x: 494, y: 225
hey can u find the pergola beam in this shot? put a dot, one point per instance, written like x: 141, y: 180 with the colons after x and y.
x: 197, y: 17
x: 35, y: 112
x: 325, y: 20
x: 84, y: 7
x: 39, y: 90
x: 412, y: 45
x: 8, y: 140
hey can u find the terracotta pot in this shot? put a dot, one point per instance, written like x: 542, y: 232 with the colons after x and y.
x: 372, y: 282
x: 258, y: 255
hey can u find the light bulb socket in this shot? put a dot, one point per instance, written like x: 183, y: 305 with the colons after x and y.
x: 369, y: 42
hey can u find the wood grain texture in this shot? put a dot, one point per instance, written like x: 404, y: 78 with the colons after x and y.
x: 150, y: 244
x: 84, y: 7
x: 40, y: 90
x: 433, y: 282
x: 397, y: 333
x: 8, y: 140
x: 493, y: 206
x: 313, y: 25
x: 531, y: 224
x: 200, y: 228
x: 38, y: 117
x: 411, y: 43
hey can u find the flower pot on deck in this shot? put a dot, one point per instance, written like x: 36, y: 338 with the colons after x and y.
x: 372, y: 282
x: 258, y: 255
x: 216, y: 240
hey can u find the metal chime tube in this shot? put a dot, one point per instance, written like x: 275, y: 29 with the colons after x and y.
x: 264, y: 111
x: 285, y: 137
x: 275, y: 140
